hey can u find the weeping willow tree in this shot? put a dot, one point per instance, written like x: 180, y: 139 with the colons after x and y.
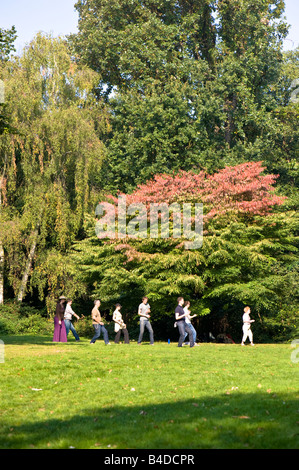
x: 50, y: 169
x: 7, y: 38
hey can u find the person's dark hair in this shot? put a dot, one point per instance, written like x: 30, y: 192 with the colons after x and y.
x: 69, y: 300
x: 117, y: 305
x: 187, y: 302
x: 179, y: 299
x: 145, y: 297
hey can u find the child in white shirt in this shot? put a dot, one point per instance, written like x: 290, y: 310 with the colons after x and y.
x: 247, y: 327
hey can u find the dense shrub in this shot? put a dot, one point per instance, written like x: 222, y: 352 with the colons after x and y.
x: 16, y: 318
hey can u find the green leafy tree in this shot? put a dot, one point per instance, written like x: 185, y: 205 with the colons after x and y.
x: 7, y: 38
x: 53, y: 162
x: 190, y: 84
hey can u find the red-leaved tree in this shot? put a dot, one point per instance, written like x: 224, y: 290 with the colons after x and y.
x: 241, y: 190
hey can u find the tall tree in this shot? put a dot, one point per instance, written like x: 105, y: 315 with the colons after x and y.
x: 132, y: 42
x: 55, y: 158
x: 7, y: 38
x: 191, y: 81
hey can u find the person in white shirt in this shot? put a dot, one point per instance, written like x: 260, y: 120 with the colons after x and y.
x: 119, y: 325
x: 68, y: 316
x: 247, y: 327
x: 188, y: 318
x: 144, y: 311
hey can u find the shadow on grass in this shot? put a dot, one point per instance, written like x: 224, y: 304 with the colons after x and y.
x: 45, y: 340
x: 259, y: 420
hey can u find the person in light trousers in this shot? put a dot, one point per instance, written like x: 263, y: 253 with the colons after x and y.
x: 247, y: 333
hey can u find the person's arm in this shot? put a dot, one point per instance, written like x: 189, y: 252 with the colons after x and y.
x: 75, y: 315
x: 94, y: 316
x: 148, y: 312
x: 188, y: 314
x: 144, y: 314
x: 178, y: 316
x: 70, y: 310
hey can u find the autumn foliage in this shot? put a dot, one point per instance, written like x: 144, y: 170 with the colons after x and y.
x: 241, y: 189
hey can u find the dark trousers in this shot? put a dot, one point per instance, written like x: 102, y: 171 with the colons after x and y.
x: 125, y: 333
x: 183, y: 329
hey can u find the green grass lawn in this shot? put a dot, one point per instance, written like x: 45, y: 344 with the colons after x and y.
x: 143, y: 397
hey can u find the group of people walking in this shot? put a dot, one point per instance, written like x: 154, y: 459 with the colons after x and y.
x: 64, y: 314
x: 63, y: 322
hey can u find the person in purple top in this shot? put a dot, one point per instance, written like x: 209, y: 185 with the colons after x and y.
x: 59, y: 326
x: 182, y: 325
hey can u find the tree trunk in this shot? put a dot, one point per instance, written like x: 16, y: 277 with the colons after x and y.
x: 22, y: 290
x: 35, y: 233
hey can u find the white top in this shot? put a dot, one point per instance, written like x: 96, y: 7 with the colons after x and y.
x: 187, y: 319
x: 142, y: 309
x: 117, y: 318
x: 246, y: 318
x: 69, y: 312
